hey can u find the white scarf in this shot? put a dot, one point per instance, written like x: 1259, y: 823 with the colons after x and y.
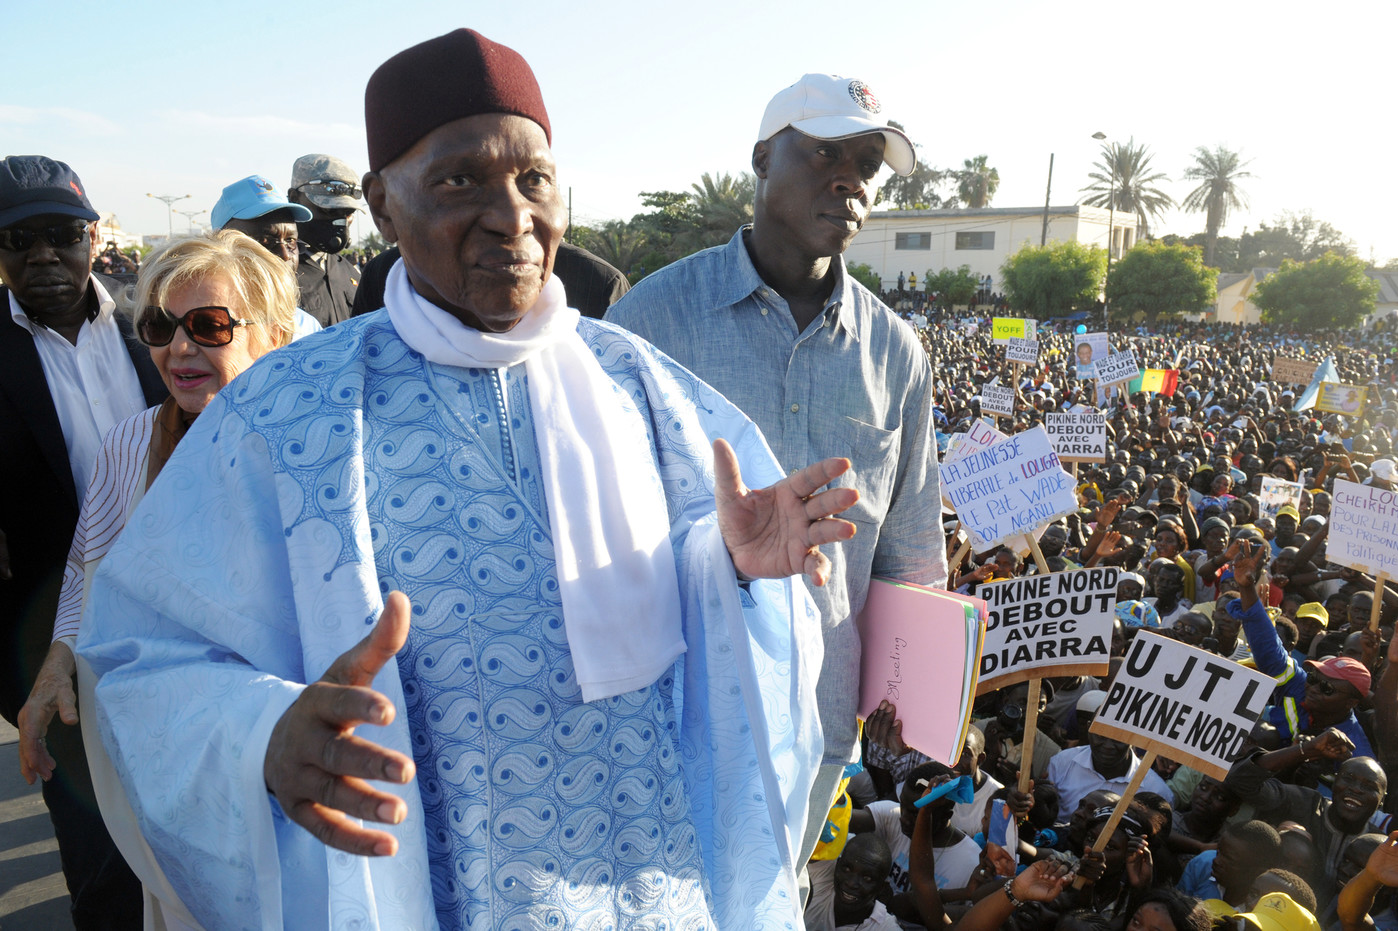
x: 607, y: 508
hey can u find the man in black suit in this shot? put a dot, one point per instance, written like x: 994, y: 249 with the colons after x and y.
x: 70, y: 368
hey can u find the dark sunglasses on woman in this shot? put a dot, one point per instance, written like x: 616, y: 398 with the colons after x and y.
x: 207, y: 326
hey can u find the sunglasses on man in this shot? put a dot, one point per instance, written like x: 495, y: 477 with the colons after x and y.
x: 60, y: 236
x: 206, y: 326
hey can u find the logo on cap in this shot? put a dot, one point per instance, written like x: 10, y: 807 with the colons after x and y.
x: 76, y: 190
x: 863, y: 96
x: 261, y: 184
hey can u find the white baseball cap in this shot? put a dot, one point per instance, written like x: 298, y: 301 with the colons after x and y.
x: 827, y: 106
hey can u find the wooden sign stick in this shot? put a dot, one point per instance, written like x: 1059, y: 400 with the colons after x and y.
x: 1031, y: 704
x: 961, y: 552
x: 1105, y: 837
x: 1378, y: 601
x: 1031, y: 727
x: 1039, y: 559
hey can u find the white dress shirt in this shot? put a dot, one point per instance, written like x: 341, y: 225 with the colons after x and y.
x: 93, y: 383
x: 1071, y: 770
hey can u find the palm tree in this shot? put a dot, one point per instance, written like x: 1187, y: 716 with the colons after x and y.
x: 724, y: 203
x: 618, y: 242
x: 1124, y: 175
x: 977, y: 182
x: 1219, y: 193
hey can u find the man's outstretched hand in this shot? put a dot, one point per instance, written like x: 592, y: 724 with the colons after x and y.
x: 317, y: 768
x: 776, y: 532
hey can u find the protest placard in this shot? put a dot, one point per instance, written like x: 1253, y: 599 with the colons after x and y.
x: 1363, y: 528
x: 1058, y: 624
x: 998, y: 399
x: 1010, y: 488
x: 1118, y: 368
x: 1186, y: 704
x: 1341, y: 399
x: 1293, y: 371
x: 1277, y: 493
x: 1078, y: 437
x: 1005, y: 328
x: 1025, y: 351
x: 978, y: 435
x: 1088, y: 349
x: 921, y: 650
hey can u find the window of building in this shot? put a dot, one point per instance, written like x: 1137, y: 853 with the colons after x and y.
x: 975, y: 240
x: 921, y: 241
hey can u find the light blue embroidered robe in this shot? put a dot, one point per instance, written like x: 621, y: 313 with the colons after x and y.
x: 336, y: 470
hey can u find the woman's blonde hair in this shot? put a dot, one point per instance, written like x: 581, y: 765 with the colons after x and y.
x: 263, y: 282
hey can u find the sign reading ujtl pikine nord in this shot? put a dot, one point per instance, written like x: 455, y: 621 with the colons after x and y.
x: 1009, y: 488
x: 1048, y: 625
x: 1186, y: 704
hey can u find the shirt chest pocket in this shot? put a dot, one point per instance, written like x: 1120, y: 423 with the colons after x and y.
x: 873, y: 452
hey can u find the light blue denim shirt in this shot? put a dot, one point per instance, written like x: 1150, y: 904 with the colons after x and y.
x: 856, y: 383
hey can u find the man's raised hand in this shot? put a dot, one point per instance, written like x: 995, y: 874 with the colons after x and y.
x: 776, y: 532
x: 317, y: 767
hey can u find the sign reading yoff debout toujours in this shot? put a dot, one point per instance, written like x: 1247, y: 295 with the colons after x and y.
x: 1058, y: 624
x: 1078, y: 437
x: 1186, y: 704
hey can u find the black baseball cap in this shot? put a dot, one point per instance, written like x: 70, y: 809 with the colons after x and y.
x: 33, y: 186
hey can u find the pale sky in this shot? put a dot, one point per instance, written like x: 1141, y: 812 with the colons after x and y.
x: 184, y: 98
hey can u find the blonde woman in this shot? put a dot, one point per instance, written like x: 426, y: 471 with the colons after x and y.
x: 208, y: 307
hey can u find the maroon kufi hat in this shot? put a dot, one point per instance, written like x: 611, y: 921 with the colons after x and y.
x: 448, y: 78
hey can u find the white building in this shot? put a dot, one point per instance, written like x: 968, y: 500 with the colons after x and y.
x: 919, y: 241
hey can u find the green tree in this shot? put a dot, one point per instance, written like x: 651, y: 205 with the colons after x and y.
x: 865, y: 275
x: 622, y: 244
x: 1296, y: 236
x: 1331, y: 292
x: 1054, y: 280
x: 977, y: 182
x: 722, y: 204
x: 1162, y: 281
x: 917, y: 191
x: 952, y: 287
x: 1124, y: 176
x: 1218, y: 172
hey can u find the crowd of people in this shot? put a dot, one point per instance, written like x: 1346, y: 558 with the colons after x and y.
x: 398, y: 591
x: 1302, y: 818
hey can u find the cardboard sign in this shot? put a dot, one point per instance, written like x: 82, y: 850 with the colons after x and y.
x: 1078, y: 437
x: 1048, y: 625
x: 1009, y: 488
x: 978, y: 436
x: 1088, y: 350
x: 1363, y: 528
x: 998, y: 399
x: 1022, y: 350
x: 1341, y: 399
x: 921, y: 648
x: 1118, y: 368
x: 1005, y: 328
x: 1293, y: 371
x: 1276, y: 494
x: 1186, y: 704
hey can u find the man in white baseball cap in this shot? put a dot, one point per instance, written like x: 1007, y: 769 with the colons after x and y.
x: 776, y: 323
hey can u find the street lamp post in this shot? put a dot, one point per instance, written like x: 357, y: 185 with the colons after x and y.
x: 1111, y: 231
x: 190, y: 215
x: 170, y: 200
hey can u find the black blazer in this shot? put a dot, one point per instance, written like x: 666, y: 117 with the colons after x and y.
x: 38, y: 503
